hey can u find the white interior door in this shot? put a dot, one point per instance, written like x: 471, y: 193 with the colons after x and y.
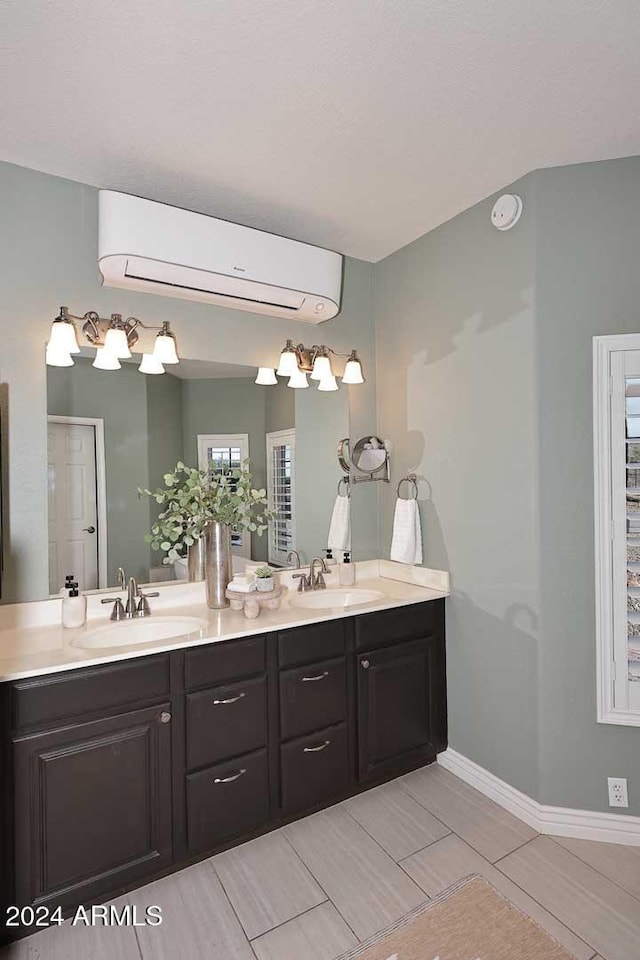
x: 73, y: 513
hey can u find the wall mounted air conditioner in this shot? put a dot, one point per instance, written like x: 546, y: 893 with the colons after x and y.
x: 155, y: 248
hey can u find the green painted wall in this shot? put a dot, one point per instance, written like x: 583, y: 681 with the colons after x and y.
x: 484, y: 342
x: 119, y: 397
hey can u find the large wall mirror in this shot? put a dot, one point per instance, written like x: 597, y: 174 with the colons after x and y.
x: 111, y: 432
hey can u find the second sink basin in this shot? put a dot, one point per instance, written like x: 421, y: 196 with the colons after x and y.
x: 338, y: 598
x: 145, y: 630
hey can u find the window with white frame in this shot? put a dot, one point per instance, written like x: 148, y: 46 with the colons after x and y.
x: 222, y: 453
x: 281, y: 446
x: 617, y: 526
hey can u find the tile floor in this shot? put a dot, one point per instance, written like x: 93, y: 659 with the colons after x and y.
x: 311, y: 890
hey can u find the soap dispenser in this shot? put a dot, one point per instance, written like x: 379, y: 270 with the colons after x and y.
x: 74, y: 606
x: 346, y: 571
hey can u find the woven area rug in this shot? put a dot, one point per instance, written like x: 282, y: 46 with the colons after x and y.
x: 470, y: 921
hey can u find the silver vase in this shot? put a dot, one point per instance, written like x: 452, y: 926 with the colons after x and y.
x: 218, y: 571
x: 196, y: 561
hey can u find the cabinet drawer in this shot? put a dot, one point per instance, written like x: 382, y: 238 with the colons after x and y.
x: 222, y: 661
x: 306, y: 644
x: 76, y: 693
x: 227, y: 800
x: 226, y: 721
x: 312, y: 697
x: 314, y: 769
x: 390, y: 626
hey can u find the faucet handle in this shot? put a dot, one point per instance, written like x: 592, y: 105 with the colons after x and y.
x: 118, y: 612
x: 305, y: 581
x: 143, y: 609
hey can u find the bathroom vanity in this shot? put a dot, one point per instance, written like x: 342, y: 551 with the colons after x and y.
x: 117, y: 772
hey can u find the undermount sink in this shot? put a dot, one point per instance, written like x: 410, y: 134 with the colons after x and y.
x: 146, y: 630
x: 333, y: 599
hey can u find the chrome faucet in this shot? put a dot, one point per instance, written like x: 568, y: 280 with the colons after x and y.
x: 316, y: 580
x: 294, y: 553
x: 137, y: 601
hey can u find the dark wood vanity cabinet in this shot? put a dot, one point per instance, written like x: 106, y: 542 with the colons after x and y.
x: 116, y: 774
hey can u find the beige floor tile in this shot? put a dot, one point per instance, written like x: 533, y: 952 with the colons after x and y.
x: 77, y: 943
x: 449, y: 860
x: 617, y: 862
x: 198, y: 921
x: 363, y: 882
x: 395, y: 820
x: 597, y: 910
x: 267, y: 883
x: 319, y: 934
x: 488, y: 828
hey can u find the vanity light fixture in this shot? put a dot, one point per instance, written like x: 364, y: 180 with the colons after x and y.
x: 266, y: 376
x: 113, y: 339
x: 296, y: 362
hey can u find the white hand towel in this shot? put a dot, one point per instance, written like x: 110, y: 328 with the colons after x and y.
x: 340, y: 528
x: 406, y: 542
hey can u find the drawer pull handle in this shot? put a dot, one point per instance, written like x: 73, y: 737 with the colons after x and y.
x: 235, y: 776
x: 231, y: 699
x: 320, y: 676
x: 321, y: 746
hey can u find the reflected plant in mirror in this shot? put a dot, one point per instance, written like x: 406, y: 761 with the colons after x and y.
x: 192, y: 498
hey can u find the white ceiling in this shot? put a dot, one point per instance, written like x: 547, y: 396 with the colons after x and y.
x: 353, y: 124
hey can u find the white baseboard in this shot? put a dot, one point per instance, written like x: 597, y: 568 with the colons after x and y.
x: 557, y: 821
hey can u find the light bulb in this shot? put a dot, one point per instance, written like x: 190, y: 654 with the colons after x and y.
x: 57, y: 357
x: 115, y: 343
x: 353, y: 370
x: 105, y: 360
x: 288, y: 361
x: 150, y: 364
x: 321, y: 368
x: 63, y: 337
x: 266, y: 376
x: 298, y: 380
x: 164, y: 350
x: 328, y: 383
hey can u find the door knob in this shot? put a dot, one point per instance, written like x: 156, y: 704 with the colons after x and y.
x: 364, y: 664
x: 89, y: 529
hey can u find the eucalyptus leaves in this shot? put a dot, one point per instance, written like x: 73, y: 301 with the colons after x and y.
x: 194, y: 497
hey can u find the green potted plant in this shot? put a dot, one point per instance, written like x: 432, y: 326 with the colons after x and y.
x: 264, y: 579
x: 201, y: 505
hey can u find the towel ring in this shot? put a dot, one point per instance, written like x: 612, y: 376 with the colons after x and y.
x: 344, y: 480
x: 410, y: 478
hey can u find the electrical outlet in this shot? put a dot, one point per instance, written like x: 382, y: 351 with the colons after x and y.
x: 618, y: 796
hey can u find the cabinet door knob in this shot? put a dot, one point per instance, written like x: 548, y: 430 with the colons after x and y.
x: 165, y: 717
x: 364, y: 664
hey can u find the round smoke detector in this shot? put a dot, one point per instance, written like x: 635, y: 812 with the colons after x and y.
x: 506, y: 212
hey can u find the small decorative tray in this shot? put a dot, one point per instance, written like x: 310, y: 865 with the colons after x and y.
x: 265, y: 598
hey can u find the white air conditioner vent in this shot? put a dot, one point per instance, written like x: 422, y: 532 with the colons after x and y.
x: 159, y: 249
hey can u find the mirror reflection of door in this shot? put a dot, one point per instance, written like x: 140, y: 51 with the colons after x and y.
x: 73, y: 502
x: 281, y: 446
x: 222, y: 453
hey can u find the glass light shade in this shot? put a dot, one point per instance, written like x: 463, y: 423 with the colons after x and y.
x: 288, y: 365
x: 105, y: 360
x: 150, y: 364
x: 266, y: 376
x: 116, y: 344
x: 57, y: 357
x: 165, y: 348
x: 328, y: 383
x: 321, y: 368
x: 63, y: 337
x: 298, y: 380
x: 353, y: 372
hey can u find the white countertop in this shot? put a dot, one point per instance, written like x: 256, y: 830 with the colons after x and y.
x: 34, y: 642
